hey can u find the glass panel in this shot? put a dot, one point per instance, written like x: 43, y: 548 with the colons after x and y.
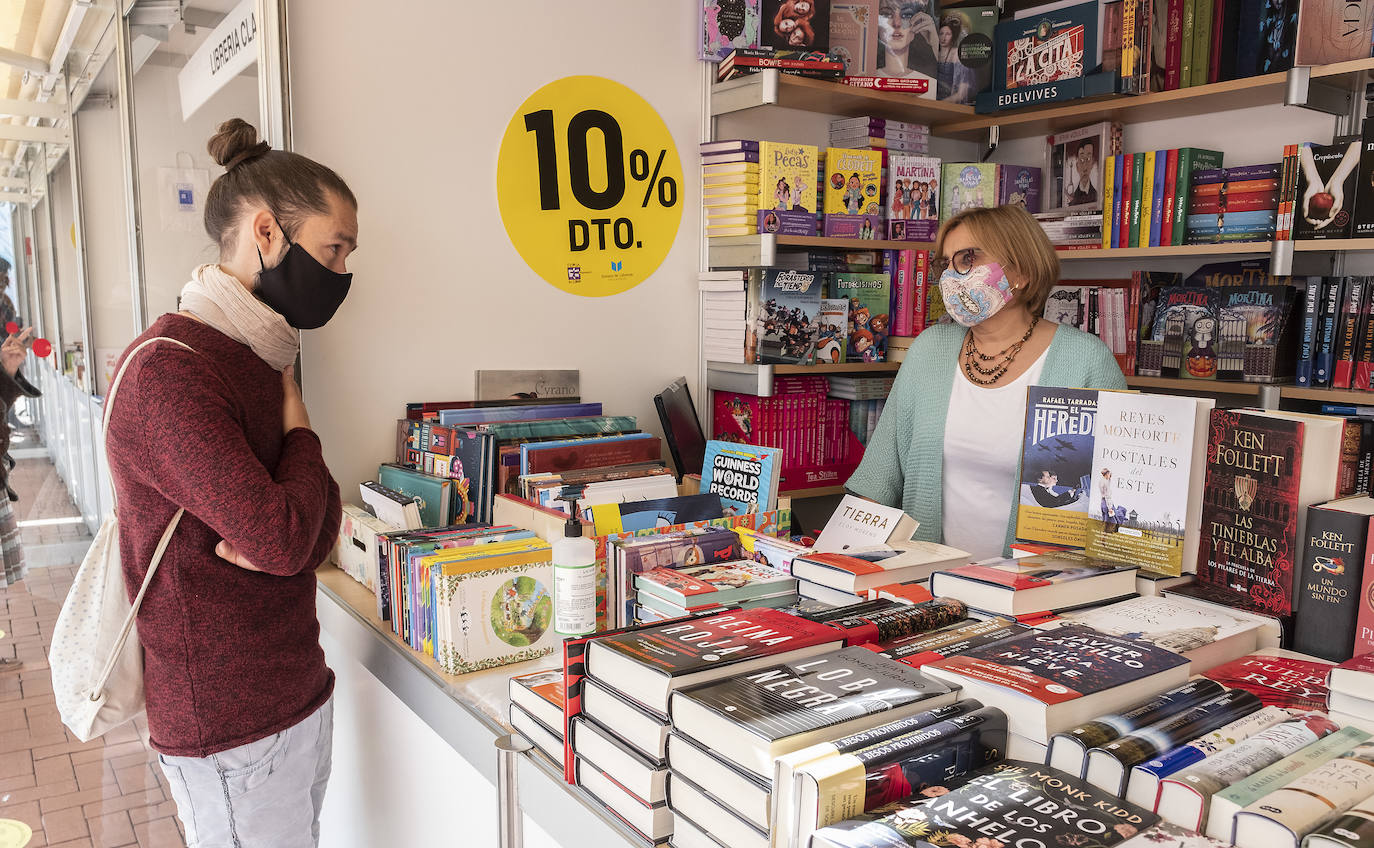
x: 172, y: 157
x: 68, y: 276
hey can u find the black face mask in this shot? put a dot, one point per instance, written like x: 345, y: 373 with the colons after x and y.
x: 300, y: 289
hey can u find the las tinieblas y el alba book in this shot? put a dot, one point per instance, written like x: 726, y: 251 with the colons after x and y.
x: 1149, y: 463
x: 1056, y: 466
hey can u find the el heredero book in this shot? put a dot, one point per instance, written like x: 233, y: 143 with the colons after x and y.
x: 853, y: 180
x: 727, y: 24
x: 1249, y: 507
x: 745, y: 477
x: 913, y: 197
x: 753, y: 718
x: 1148, y: 457
x: 1281, y: 681
x: 647, y: 665
x: 790, y: 309
x: 787, y: 188
x: 869, y: 296
x: 1057, y: 466
x: 1007, y: 802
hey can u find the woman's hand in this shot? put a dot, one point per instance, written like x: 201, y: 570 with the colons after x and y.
x: 293, y: 413
x: 15, y: 350
x: 229, y: 553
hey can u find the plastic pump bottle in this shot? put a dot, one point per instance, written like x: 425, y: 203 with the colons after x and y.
x: 574, y: 575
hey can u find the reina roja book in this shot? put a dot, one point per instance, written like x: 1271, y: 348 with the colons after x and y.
x: 646, y: 665
x: 754, y: 718
x: 1052, y: 681
x: 1056, y: 466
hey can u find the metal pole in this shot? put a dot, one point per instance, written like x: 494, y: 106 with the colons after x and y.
x: 59, y: 339
x: 510, y: 827
x: 274, y: 73
x: 128, y: 139
x: 82, y: 271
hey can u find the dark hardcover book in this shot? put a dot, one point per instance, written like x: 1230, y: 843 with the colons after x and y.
x: 1109, y: 765
x: 1069, y: 750
x: 788, y: 327
x: 1327, y: 604
x: 1058, y: 45
x: 1364, y: 192
x: 1249, y: 507
x: 1007, y: 802
x: 1149, y: 349
x: 794, y: 25
x: 1354, y: 829
x: 1364, y: 345
x: 1307, y: 335
x: 1278, y: 681
x: 900, y: 621
x: 1326, y: 214
x: 1258, y: 326
x: 1248, y: 38
x: 1278, y: 26
x: 950, y: 641
x: 1230, y: 30
x: 754, y: 718
x: 1347, y: 333
x: 1332, y: 293
x: 647, y: 665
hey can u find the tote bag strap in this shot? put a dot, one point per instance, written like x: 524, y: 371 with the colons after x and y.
x: 166, y: 539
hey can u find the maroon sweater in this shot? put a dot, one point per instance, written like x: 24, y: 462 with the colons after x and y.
x: 230, y: 656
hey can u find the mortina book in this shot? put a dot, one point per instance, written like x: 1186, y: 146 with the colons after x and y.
x: 1011, y: 803
x: 1056, y: 466
x: 1148, y: 455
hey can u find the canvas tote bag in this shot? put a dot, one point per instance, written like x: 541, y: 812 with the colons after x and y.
x: 97, y: 669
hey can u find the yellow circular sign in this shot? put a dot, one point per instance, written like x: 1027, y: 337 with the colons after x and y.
x: 590, y: 186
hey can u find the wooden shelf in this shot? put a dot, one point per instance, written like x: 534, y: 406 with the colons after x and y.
x: 839, y: 368
x: 1360, y: 397
x: 1206, y: 387
x: 820, y: 492
x: 1256, y: 247
x: 761, y: 251
x: 754, y: 379
x: 772, y: 88
x: 1333, y: 245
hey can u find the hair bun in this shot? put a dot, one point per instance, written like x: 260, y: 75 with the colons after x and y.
x: 235, y: 141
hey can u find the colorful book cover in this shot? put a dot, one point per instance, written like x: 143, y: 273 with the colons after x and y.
x: 1056, y: 466
x: 1185, y: 323
x: 1333, y: 170
x: 967, y: 185
x: 787, y: 188
x: 1175, y: 624
x: 1144, y: 464
x: 1019, y: 185
x: 727, y: 24
x: 495, y: 616
x: 832, y: 330
x: 853, y: 179
x: 1147, y: 193
x: 629, y: 516
x: 965, y: 66
x: 1249, y: 507
x: 913, y: 197
x: 744, y: 477
x: 1056, y: 45
x: 713, y: 584
x: 787, y: 322
x: 1137, y: 187
x: 854, y: 35
x: 796, y: 25
x: 1278, y: 681
x: 869, y: 296
x: 1157, y: 199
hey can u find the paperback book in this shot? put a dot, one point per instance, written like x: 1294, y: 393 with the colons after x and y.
x: 1057, y: 466
x: 745, y: 477
x: 853, y: 179
x: 786, y: 326
x: 913, y: 197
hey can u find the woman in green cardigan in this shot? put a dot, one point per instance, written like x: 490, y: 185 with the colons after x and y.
x: 948, y: 446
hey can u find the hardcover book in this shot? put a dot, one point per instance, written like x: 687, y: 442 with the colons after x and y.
x: 700, y: 586
x: 648, y: 664
x: 796, y: 25
x: 1293, y: 682
x: 787, y: 188
x: 1285, y: 816
x: 913, y: 197
x: 1353, y: 829
x: 1148, y: 467
x: 541, y: 694
x: 948, y: 641
x: 1074, y: 167
x: 786, y: 327
x: 832, y: 330
x: 1326, y: 190
x: 869, y: 296
x: 1050, y: 47
x: 966, y: 64
x: 752, y: 719
x: 745, y: 477
x: 495, y: 611
x: 727, y: 24
x: 1005, y: 802
x: 1041, y: 583
x: 1326, y: 607
x: 1019, y: 185
x: 1057, y: 466
x: 1207, y: 636
x: 853, y: 179
x: 967, y: 185
x: 1053, y: 681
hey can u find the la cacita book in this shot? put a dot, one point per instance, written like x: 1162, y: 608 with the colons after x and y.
x: 1056, y: 466
x: 745, y: 477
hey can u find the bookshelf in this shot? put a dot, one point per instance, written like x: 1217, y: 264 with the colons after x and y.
x: 1254, y: 248
x: 761, y: 251
x: 772, y: 88
x: 753, y: 379
x: 1194, y: 386
x: 1354, y: 396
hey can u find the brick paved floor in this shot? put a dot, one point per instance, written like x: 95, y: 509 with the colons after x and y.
x: 100, y: 794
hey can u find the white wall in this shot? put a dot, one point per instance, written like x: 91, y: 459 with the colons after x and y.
x: 107, y: 233
x: 68, y: 279
x: 412, y: 117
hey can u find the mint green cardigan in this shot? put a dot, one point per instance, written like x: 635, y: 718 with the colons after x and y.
x: 904, y: 462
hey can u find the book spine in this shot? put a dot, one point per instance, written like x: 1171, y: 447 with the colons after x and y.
x: 1364, y: 621
x: 1364, y: 470
x: 1214, y: 56
x: 1326, y: 606
x: 901, y: 622
x: 1307, y: 340
x: 921, y: 276
x: 1166, y: 227
x: 1147, y: 197
x: 1149, y: 741
x: 1144, y: 24
x: 902, y: 294
x: 1158, y: 200
x: 1129, y: 45
x: 1138, y: 172
x: 1308, y: 801
x: 1343, y: 364
x: 1099, y: 732
x: 1108, y: 198
x: 1173, y: 53
x: 1123, y: 202
x: 1202, y: 40
x: 1189, y: 27
x: 1182, y: 186
x: 1287, y: 189
x: 1364, y: 348
x: 1326, y: 338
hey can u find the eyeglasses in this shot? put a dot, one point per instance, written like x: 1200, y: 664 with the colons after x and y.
x: 962, y: 261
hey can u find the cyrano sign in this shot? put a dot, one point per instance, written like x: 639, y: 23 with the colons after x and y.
x: 231, y: 47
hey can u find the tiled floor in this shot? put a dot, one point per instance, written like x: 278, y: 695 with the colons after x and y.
x: 99, y: 794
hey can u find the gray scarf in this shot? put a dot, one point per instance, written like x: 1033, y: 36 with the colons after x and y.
x: 220, y: 300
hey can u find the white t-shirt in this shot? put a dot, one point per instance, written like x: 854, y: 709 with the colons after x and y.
x: 982, y: 449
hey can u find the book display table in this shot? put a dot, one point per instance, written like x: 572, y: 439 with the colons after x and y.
x: 415, y: 757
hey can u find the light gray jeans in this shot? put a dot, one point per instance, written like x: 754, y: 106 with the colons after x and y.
x: 265, y: 793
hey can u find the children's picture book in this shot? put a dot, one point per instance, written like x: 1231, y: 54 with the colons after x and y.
x: 786, y: 323
x: 1186, y: 322
x: 853, y: 179
x: 787, y: 188
x: 967, y: 185
x: 1057, y: 466
x: 913, y: 197
x: 832, y: 330
x: 965, y: 53
x: 1019, y: 185
x: 745, y: 477
x: 854, y: 35
x: 869, y: 296
x: 727, y: 24
x: 1074, y: 167
x: 495, y: 611
x: 796, y: 25
x: 1057, y: 45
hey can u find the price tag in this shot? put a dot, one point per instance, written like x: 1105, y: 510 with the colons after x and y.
x: 589, y: 186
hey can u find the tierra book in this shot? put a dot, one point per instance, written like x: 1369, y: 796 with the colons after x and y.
x: 753, y: 718
x: 1052, y: 681
x: 647, y: 665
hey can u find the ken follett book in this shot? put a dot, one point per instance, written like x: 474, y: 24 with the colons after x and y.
x: 1009, y: 803
x: 1250, y: 508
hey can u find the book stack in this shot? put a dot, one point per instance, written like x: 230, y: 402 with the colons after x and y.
x: 880, y: 133
x: 1101, y: 307
x: 355, y: 553
x: 751, y: 60
x: 974, y: 185
x: 1335, y: 336
x: 1149, y: 194
x: 1350, y: 698
x: 1233, y: 204
x: 663, y: 593
x: 1081, y: 230
x: 730, y: 187
x: 724, y: 300
x: 536, y: 710
x: 844, y: 578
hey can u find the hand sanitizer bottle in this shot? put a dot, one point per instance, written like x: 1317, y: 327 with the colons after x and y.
x: 574, y: 575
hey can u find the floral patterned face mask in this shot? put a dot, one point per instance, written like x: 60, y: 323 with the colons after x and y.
x: 976, y: 296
